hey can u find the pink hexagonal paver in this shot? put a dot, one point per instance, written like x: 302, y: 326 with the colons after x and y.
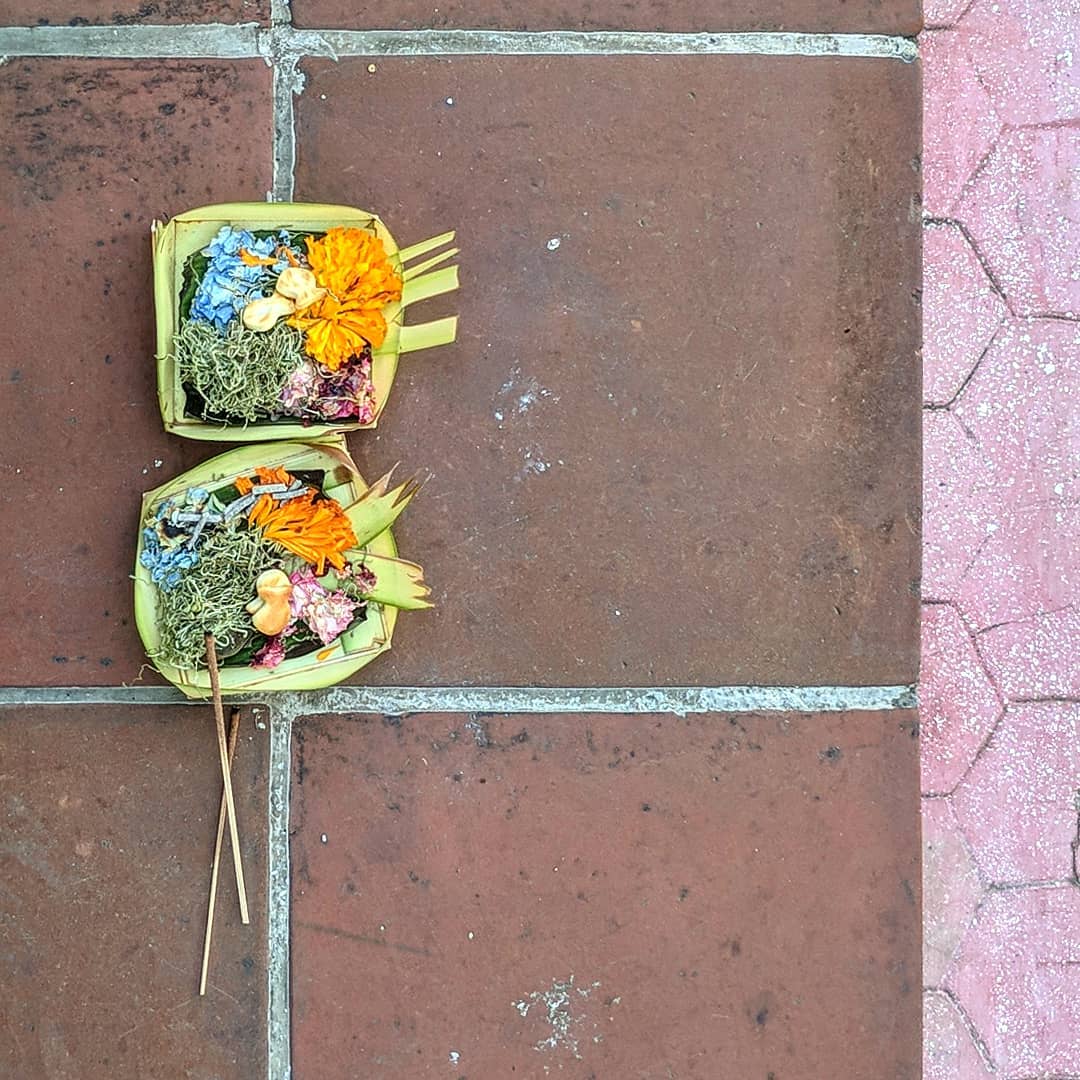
x: 1018, y: 804
x: 938, y: 14
x: 1022, y: 407
x: 959, y: 122
x: 961, y: 311
x: 1027, y: 53
x: 1023, y: 209
x: 961, y: 510
x: 951, y: 888
x: 958, y: 706
x: 949, y: 1052
x: 1035, y: 657
x: 1017, y: 975
x: 1030, y: 564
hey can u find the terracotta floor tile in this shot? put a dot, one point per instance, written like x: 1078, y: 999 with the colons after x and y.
x: 1015, y: 975
x: 958, y: 704
x: 128, y: 12
x: 678, y: 438
x: 857, y: 16
x: 108, y: 820
x: 96, y: 150
x: 1018, y: 806
x: 605, y: 895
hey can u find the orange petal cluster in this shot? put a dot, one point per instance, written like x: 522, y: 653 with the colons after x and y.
x: 319, y: 532
x: 353, y: 265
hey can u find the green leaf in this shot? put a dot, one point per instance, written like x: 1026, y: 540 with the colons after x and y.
x: 194, y: 270
x: 378, y: 508
x: 398, y: 583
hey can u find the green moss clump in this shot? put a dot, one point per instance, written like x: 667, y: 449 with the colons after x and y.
x: 239, y: 374
x: 212, y: 596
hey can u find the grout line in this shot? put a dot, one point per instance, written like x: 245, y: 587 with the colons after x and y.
x: 251, y: 40
x: 281, y: 13
x: 229, y: 41
x: 278, y: 1033
x: 336, y: 43
x: 680, y: 700
x: 287, y: 82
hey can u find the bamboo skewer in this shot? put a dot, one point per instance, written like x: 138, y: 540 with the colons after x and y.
x: 234, y: 728
x: 226, y: 775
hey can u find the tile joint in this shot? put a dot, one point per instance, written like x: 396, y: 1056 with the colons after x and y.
x: 281, y: 40
x: 394, y: 700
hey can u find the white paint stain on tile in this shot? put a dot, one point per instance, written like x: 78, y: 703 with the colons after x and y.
x: 560, y: 1009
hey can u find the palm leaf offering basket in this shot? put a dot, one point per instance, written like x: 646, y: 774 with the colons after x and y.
x: 289, y: 524
x: 285, y: 320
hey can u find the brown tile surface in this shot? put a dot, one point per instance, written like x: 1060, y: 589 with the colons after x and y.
x: 731, y: 897
x: 850, y: 16
x: 684, y: 445
x: 107, y: 820
x: 96, y: 150
x: 128, y: 12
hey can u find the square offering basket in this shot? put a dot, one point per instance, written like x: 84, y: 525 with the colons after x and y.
x: 175, y: 241
x: 370, y: 510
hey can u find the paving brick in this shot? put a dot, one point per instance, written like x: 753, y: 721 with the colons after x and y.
x: 962, y: 312
x: 1015, y: 977
x: 949, y: 1052
x: 958, y: 703
x: 108, y: 818
x: 939, y: 14
x: 959, y: 121
x: 1024, y: 51
x: 951, y: 888
x: 962, y: 508
x: 608, y: 895
x: 1018, y: 805
x: 1021, y: 210
x: 682, y: 445
x: 1035, y: 657
x: 96, y: 151
x: 130, y: 12
x: 856, y: 16
x: 1021, y: 407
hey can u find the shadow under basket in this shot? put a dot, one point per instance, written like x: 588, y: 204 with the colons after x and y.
x: 368, y: 507
x: 176, y: 240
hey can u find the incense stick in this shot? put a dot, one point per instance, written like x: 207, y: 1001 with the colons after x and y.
x: 234, y: 728
x: 226, y: 775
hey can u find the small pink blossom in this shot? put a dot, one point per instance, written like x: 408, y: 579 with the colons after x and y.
x: 327, y: 614
x: 271, y: 654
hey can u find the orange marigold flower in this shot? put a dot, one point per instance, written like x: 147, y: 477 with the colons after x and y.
x: 336, y: 331
x: 353, y: 265
x: 319, y: 532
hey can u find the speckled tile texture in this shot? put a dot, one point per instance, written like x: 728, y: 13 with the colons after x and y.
x: 717, y: 897
x: 1001, y: 573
